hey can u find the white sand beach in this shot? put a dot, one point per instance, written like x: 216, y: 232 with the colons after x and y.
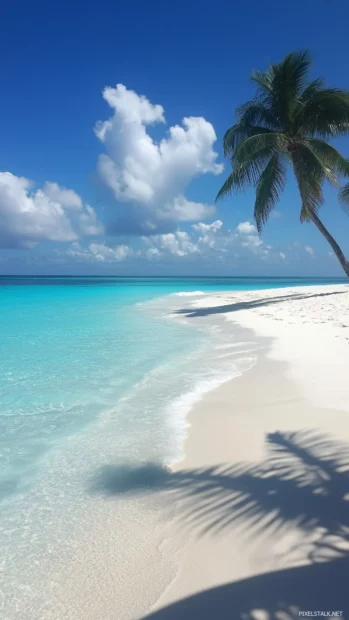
x: 262, y: 519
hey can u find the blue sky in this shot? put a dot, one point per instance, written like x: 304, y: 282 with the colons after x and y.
x: 134, y: 207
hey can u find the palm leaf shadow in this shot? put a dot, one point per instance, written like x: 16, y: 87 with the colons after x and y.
x: 303, y: 482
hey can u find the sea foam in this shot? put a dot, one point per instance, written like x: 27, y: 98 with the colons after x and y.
x: 188, y: 294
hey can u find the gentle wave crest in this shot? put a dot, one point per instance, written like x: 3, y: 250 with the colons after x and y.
x: 188, y: 294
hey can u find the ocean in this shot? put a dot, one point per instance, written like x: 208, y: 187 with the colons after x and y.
x: 96, y: 372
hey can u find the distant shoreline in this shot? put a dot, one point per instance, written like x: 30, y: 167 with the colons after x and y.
x: 328, y: 279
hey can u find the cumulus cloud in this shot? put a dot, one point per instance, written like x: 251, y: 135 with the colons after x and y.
x: 249, y: 237
x: 208, y: 232
x: 52, y: 213
x: 66, y: 197
x: 178, y: 243
x: 210, y: 240
x: 99, y: 252
x: 153, y: 175
x: 204, y: 242
x: 203, y: 228
x: 246, y: 228
x: 244, y: 236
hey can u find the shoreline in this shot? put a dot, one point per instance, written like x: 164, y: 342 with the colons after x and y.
x: 296, y: 393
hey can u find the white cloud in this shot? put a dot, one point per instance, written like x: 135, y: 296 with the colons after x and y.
x: 208, y: 232
x: 251, y: 241
x: 203, y: 228
x: 184, y: 210
x: 204, y: 241
x: 153, y: 175
x: 249, y: 238
x: 178, y: 243
x: 52, y: 213
x: 211, y: 242
x: 66, y: 197
x: 310, y: 250
x: 89, y: 226
x: 110, y: 255
x: 99, y: 252
x: 246, y: 228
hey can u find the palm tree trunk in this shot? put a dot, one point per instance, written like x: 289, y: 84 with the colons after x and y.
x: 334, y: 245
x: 308, y: 214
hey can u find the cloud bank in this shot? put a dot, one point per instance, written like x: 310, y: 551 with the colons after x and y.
x: 151, y: 176
x: 212, y: 242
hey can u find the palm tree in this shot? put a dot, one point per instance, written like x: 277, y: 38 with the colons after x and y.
x: 289, y: 121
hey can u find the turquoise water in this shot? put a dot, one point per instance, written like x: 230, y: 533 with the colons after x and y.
x: 95, y: 371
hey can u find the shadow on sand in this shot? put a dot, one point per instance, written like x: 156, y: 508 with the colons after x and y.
x: 249, y: 305
x: 303, y: 483
x: 278, y: 595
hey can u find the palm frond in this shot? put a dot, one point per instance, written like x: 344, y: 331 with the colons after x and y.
x: 263, y: 79
x: 269, y: 187
x: 291, y: 72
x: 247, y: 149
x: 329, y: 156
x: 237, y: 134
x: 230, y: 184
x: 316, y: 166
x: 325, y: 114
x: 310, y: 174
x: 313, y: 88
x: 255, y: 112
x: 280, y: 87
x: 311, y: 195
x: 245, y: 174
x: 344, y: 197
x: 232, y: 137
